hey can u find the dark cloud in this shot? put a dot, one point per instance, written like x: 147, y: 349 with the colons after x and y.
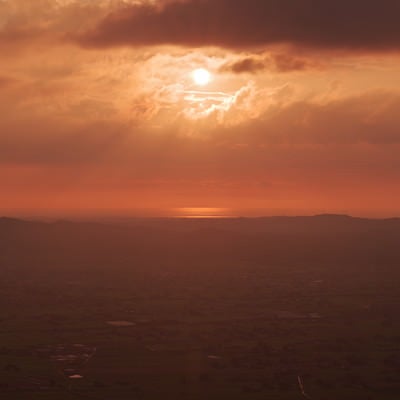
x: 339, y: 24
x: 246, y: 65
x: 287, y: 63
x: 276, y: 63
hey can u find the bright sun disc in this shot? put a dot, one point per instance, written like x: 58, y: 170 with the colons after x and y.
x: 201, y: 76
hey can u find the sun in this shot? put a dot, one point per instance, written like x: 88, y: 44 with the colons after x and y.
x: 201, y: 76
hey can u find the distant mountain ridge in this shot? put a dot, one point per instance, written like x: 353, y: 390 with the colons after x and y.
x: 134, y: 243
x: 287, y: 224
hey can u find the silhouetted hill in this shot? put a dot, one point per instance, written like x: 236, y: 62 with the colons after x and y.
x: 200, y: 242
x: 322, y: 223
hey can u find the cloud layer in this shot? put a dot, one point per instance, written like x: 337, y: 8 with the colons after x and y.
x: 339, y: 24
x: 95, y: 113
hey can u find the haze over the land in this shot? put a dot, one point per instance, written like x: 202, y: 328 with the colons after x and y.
x: 183, y: 308
x: 99, y: 112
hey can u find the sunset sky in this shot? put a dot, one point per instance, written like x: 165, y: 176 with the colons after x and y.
x: 100, y: 112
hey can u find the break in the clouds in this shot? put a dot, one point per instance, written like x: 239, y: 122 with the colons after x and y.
x: 339, y: 24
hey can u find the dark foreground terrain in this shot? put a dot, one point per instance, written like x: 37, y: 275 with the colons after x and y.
x: 200, y: 309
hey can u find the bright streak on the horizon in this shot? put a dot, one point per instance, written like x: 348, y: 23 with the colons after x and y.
x: 203, y: 212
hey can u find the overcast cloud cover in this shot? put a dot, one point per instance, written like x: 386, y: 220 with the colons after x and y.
x: 97, y: 101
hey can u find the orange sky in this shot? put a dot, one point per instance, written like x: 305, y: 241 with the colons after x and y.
x: 99, y: 112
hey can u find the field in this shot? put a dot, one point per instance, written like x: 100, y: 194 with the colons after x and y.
x: 194, y: 310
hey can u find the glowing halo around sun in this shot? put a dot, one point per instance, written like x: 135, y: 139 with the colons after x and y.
x: 201, y: 76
